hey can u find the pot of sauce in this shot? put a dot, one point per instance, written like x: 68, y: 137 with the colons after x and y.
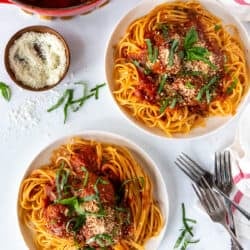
x: 57, y: 8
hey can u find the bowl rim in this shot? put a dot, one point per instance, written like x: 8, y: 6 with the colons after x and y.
x: 115, y: 139
x: 132, y: 16
x: 37, y: 29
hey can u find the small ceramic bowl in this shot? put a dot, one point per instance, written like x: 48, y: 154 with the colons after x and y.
x: 36, y: 51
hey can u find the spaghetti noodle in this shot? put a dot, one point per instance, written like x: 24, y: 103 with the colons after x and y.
x: 178, y: 65
x: 91, y: 195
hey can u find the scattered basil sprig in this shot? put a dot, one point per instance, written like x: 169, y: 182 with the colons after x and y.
x: 164, y: 30
x: 170, y: 102
x: 207, y: 89
x: 173, y: 49
x: 75, y: 104
x: 152, y: 51
x: 102, y: 240
x: 162, y: 83
x: 196, y: 53
x: 187, y: 234
x: 190, y: 39
x: 61, y: 180
x: 5, y: 90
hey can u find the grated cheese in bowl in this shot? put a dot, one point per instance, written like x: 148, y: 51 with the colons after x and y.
x: 37, y: 59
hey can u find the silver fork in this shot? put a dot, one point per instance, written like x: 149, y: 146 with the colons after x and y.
x: 224, y: 181
x: 192, y: 169
x: 195, y: 172
x: 214, y: 206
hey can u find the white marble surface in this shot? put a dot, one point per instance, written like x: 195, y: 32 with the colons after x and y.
x: 24, y: 134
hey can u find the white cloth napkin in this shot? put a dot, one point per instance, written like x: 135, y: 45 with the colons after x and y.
x: 239, y: 8
x: 240, y: 150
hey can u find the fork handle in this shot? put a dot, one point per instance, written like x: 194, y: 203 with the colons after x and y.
x: 230, y: 217
x: 231, y: 224
x: 240, y: 209
x: 233, y: 237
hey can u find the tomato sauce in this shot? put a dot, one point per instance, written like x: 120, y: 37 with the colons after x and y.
x: 193, y: 73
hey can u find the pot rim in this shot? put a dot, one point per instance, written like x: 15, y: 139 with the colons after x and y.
x: 66, y: 11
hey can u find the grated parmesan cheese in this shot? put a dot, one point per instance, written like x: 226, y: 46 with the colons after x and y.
x: 38, y: 59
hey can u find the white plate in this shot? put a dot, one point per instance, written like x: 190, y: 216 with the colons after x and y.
x: 160, y: 191
x: 212, y: 123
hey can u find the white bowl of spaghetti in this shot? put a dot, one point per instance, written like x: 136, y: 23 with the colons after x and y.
x: 179, y: 69
x: 90, y: 190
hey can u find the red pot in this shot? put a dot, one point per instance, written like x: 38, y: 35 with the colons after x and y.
x: 57, y: 12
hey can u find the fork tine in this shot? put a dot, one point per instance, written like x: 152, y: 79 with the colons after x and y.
x: 214, y: 198
x: 194, y: 165
x: 187, y: 168
x: 189, y: 173
x: 217, y: 178
x: 223, y: 167
x: 228, y: 169
x: 202, y: 198
x: 199, y: 194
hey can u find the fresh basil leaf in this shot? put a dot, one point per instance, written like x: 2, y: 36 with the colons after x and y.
x: 164, y: 30
x: 173, y: 103
x: 206, y: 88
x: 83, y: 99
x: 186, y: 235
x: 217, y: 27
x: 101, y: 240
x: 162, y: 83
x: 61, y: 180
x: 173, y: 49
x: 136, y: 63
x: 164, y: 105
x: 191, y: 38
x: 150, y: 49
x: 86, y: 176
x: 96, y: 89
x: 232, y: 86
x: 99, y: 180
x: 121, y: 209
x: 192, y: 73
x: 138, y: 179
x: 5, y: 90
x: 144, y: 69
x: 184, y: 245
x: 208, y: 96
x: 199, y: 54
x: 155, y: 54
x: 68, y: 201
x: 200, y: 94
x: 88, y: 248
x: 73, y: 203
x: 59, y: 102
x: 189, y: 85
x: 191, y: 220
x: 68, y: 103
x: 181, y: 54
x: 187, y: 227
x: 196, y: 53
x: 89, y: 198
x: 75, y: 224
x: 180, y: 239
x: 193, y: 241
